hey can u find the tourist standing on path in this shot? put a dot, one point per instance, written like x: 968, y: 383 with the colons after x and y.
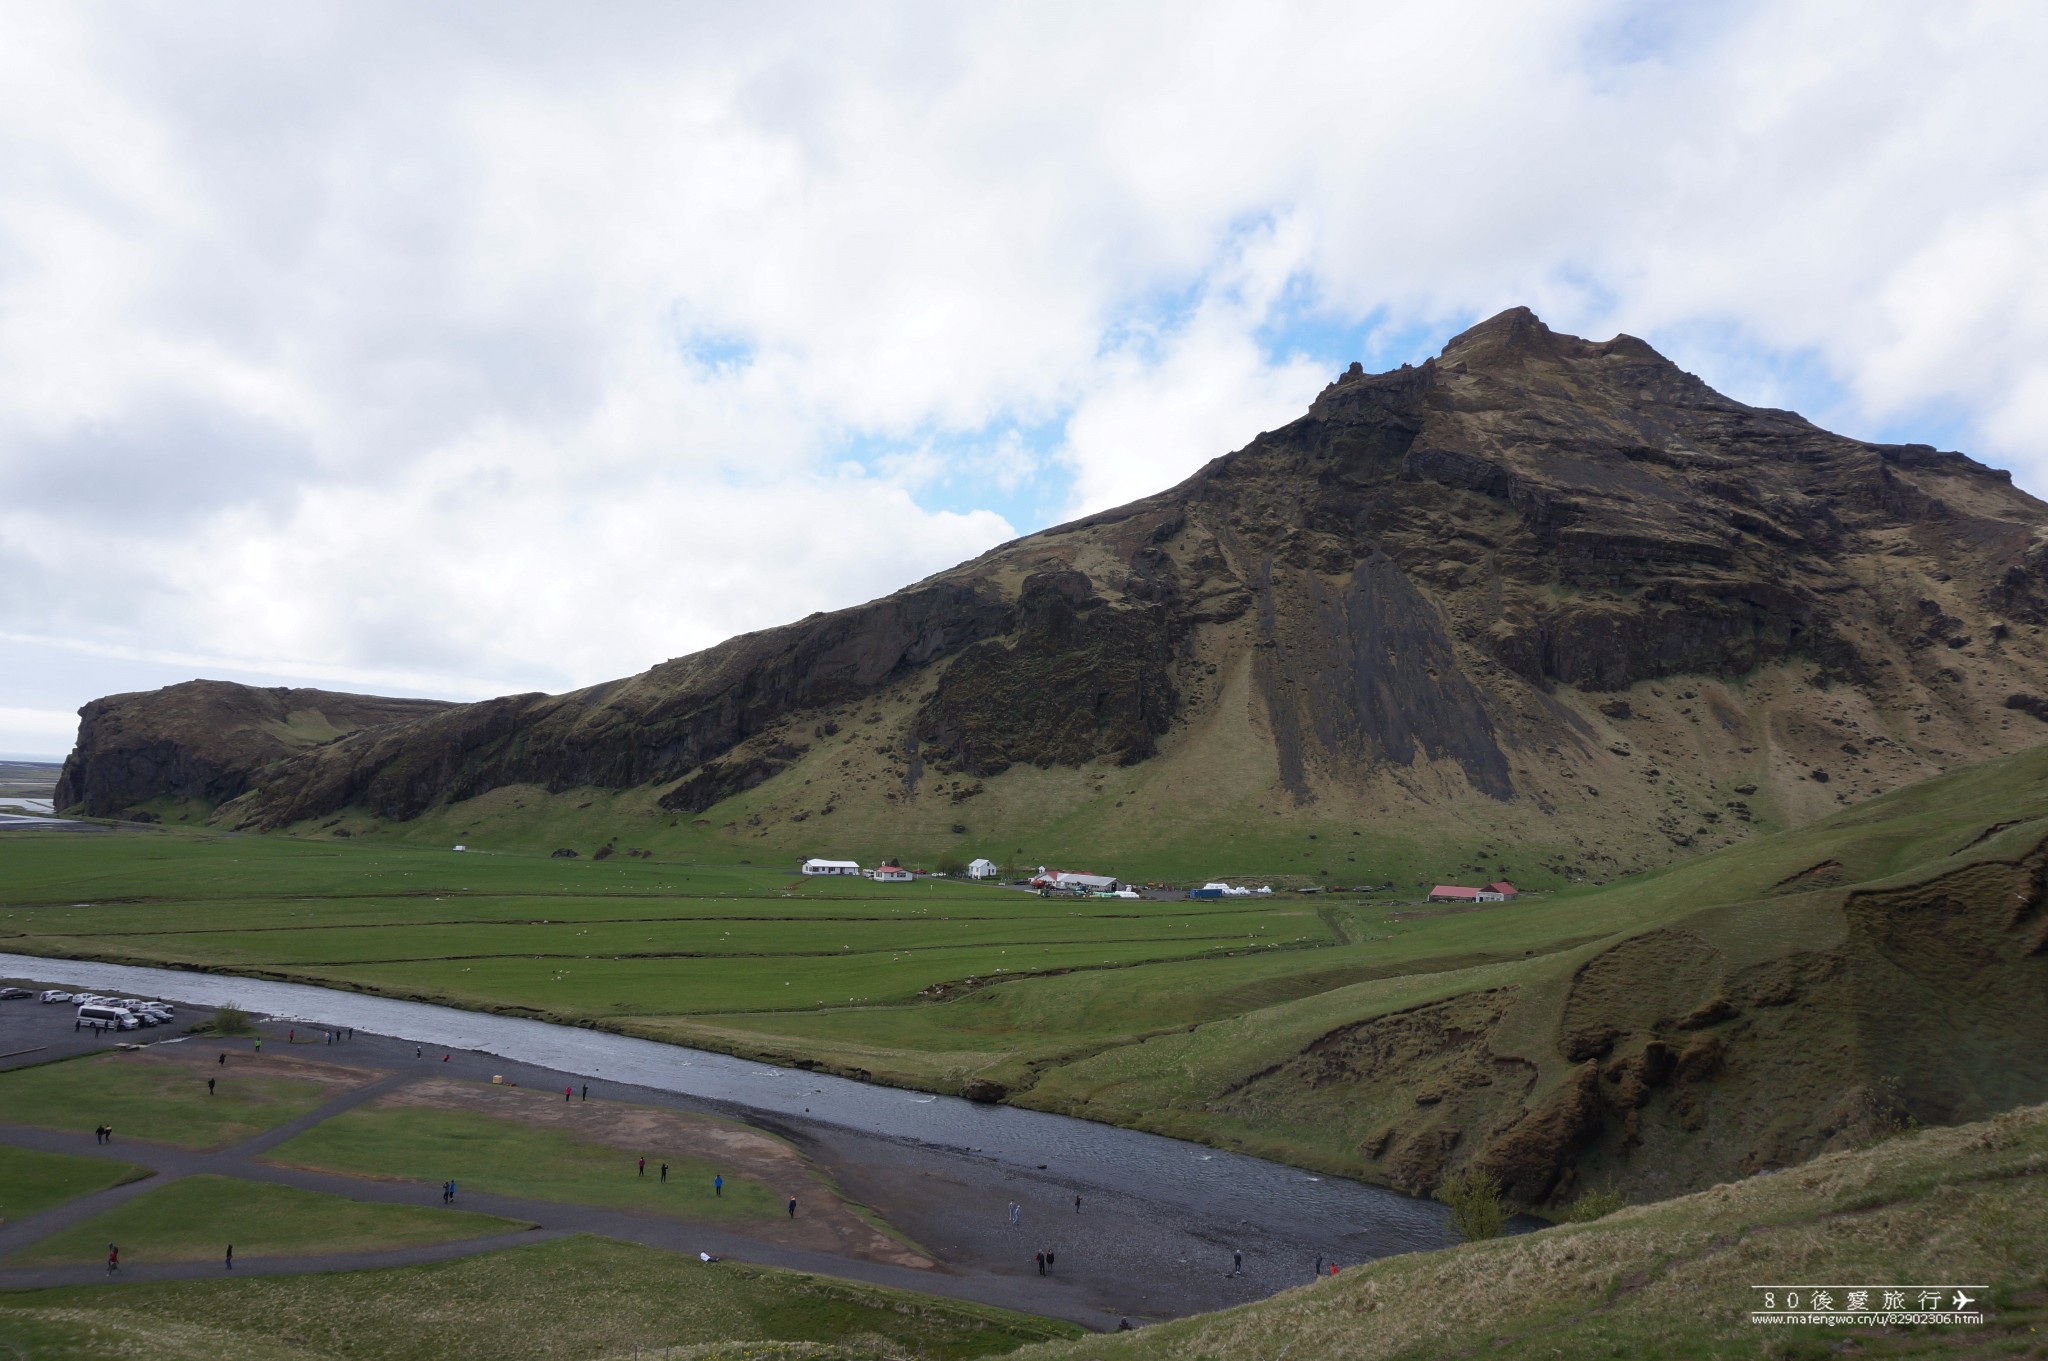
x: 1236, y: 1261
x: 1041, y: 1264
x: 209, y: 1086
x: 113, y: 1259
x: 792, y: 1207
x: 231, y: 1257
x: 1048, y: 1259
x: 718, y: 1185
x: 419, y: 1052
x: 664, y: 1174
x: 1016, y: 1215
x: 1319, y: 1266
x: 586, y: 1091
x: 643, y: 1167
x: 565, y: 1094
x: 1077, y: 1204
x: 259, y: 1044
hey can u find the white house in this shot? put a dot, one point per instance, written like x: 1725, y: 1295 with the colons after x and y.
x: 817, y: 866
x: 893, y: 874
x: 982, y: 869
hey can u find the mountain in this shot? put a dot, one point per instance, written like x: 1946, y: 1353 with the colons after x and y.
x: 1543, y: 603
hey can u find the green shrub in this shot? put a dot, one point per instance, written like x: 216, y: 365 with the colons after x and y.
x: 1476, y: 1208
x: 1594, y: 1205
x: 949, y: 863
x: 231, y: 1020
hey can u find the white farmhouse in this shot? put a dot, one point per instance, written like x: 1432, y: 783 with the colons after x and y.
x: 894, y: 874
x: 817, y: 866
x: 982, y: 869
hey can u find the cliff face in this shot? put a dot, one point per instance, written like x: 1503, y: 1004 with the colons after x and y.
x: 206, y: 741
x: 1538, y: 577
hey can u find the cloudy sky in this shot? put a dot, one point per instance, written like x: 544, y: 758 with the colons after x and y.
x: 471, y: 348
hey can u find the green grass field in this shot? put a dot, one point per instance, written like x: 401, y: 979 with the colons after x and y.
x: 1140, y: 1013
x: 144, y: 1098
x: 32, y: 1181
x: 487, y: 1153
x: 1966, y: 1205
x: 572, y: 1300
x: 195, y: 1218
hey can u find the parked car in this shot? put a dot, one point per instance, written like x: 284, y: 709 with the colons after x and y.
x: 55, y: 996
x: 9, y: 994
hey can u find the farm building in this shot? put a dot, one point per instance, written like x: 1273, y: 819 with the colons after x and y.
x: 817, y: 866
x: 1074, y: 881
x: 893, y: 874
x: 982, y: 869
x: 1504, y: 889
x: 1456, y: 893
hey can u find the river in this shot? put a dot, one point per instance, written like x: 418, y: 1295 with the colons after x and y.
x: 1211, y: 1196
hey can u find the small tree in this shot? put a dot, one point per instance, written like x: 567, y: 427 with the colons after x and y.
x: 949, y: 863
x: 1476, y: 1208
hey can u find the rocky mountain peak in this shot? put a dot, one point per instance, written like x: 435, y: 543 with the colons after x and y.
x: 1551, y: 586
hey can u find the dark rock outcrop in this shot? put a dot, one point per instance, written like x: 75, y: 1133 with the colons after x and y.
x: 207, y: 741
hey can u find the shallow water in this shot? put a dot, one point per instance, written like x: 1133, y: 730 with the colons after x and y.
x: 1228, y: 1190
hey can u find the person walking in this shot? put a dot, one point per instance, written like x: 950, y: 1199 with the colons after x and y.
x: 1077, y: 1204
x: 291, y: 1036
x: 643, y: 1167
x: 209, y: 1086
x: 1048, y: 1259
x: 110, y: 1134
x: 451, y: 1190
x: 1016, y: 1215
x: 664, y: 1174
x: 1237, y: 1261
x: 718, y: 1185
x: 565, y: 1095
x: 259, y: 1044
x: 792, y: 1207
x: 231, y: 1257
x: 223, y: 1058
x: 419, y: 1051
x: 1317, y: 1273
x: 113, y: 1259
x: 1041, y: 1264
x: 586, y: 1091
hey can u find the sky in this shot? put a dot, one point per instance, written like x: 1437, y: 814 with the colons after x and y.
x: 470, y: 349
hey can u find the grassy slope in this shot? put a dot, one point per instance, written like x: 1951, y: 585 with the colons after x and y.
x: 1963, y: 1205
x: 511, y: 1158
x: 195, y: 1218
x: 163, y: 1102
x: 31, y: 1182
x: 564, y: 1301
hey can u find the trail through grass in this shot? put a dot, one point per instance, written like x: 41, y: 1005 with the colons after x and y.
x: 195, y: 1218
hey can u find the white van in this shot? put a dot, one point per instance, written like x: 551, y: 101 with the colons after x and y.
x: 113, y: 1018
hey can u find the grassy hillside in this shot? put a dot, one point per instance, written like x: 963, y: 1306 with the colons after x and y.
x: 1967, y: 1205
x: 1889, y: 956
x: 562, y: 1301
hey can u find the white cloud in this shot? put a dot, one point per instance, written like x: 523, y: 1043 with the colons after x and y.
x: 520, y: 346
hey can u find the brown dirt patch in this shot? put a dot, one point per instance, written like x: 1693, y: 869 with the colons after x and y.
x: 827, y: 1224
x: 206, y: 1057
